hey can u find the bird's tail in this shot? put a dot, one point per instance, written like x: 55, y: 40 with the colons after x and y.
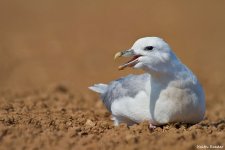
x: 99, y: 88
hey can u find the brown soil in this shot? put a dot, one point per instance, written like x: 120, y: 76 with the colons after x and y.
x: 55, y: 118
x: 51, y: 51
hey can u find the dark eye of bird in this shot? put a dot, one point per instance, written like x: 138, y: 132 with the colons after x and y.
x: 148, y: 48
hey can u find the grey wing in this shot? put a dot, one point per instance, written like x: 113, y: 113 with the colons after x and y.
x: 127, y: 86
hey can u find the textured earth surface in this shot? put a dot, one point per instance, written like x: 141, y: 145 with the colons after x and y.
x: 52, y: 50
x: 55, y: 118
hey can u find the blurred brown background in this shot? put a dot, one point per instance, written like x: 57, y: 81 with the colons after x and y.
x: 46, y: 43
x: 73, y: 42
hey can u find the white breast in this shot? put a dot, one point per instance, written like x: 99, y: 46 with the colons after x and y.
x: 178, y: 105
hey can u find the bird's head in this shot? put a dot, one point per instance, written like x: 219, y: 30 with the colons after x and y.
x: 152, y: 54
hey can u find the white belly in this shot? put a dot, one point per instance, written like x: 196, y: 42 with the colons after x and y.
x: 128, y: 110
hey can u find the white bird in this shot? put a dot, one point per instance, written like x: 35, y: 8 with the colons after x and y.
x: 168, y: 92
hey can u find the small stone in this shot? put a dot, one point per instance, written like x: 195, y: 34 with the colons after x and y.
x: 221, y: 126
x: 129, y: 137
x: 90, y: 123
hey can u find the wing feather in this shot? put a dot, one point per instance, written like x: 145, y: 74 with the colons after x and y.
x: 128, y: 86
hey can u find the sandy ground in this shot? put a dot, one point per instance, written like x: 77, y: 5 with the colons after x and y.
x: 55, y: 118
x: 52, y: 50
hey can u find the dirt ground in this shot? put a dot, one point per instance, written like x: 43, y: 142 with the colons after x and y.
x: 52, y: 50
x: 55, y: 118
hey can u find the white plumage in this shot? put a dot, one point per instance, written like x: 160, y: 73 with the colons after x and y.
x: 167, y: 92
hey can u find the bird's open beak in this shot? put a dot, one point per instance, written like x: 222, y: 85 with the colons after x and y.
x: 127, y: 53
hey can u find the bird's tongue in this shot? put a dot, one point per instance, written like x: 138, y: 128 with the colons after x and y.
x: 130, y: 63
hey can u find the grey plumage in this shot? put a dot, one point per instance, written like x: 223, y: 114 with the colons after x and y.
x: 126, y: 86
